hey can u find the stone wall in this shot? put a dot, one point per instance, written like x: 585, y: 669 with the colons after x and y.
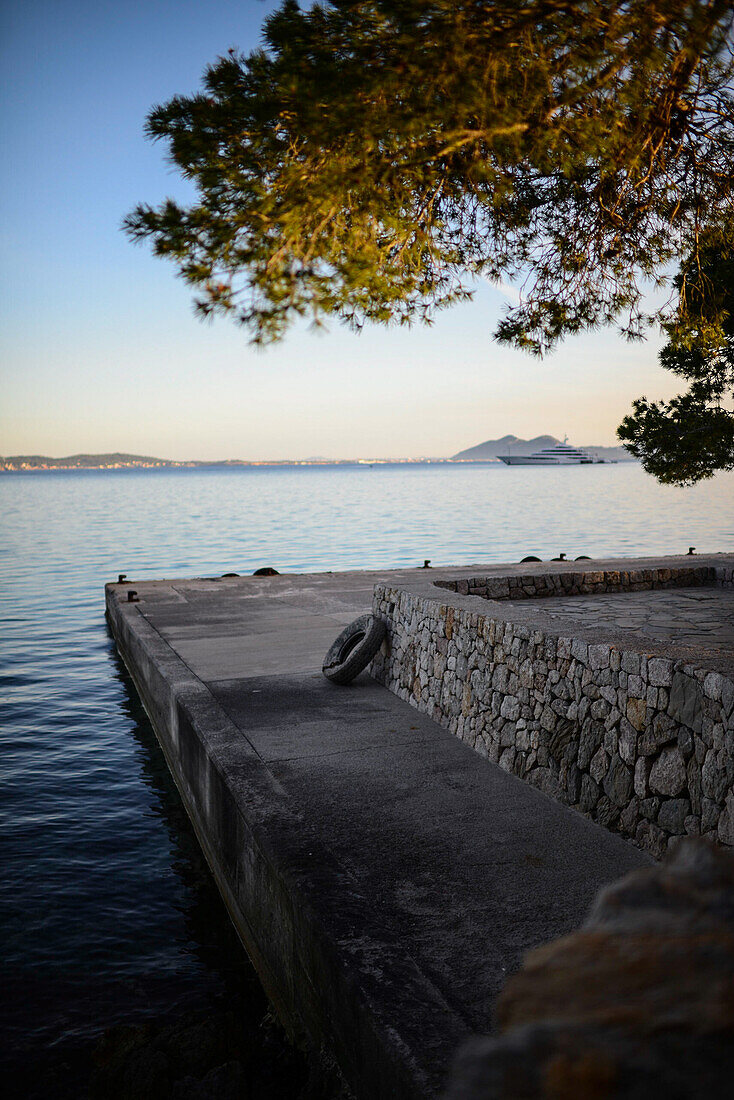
x: 588, y: 582
x: 642, y: 744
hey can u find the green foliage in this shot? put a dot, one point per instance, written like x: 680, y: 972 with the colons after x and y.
x: 680, y: 442
x: 692, y: 436
x: 376, y: 157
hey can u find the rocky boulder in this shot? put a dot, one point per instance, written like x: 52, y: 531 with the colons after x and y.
x: 638, y: 1003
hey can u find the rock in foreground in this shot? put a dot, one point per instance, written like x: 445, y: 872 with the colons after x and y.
x: 638, y: 1003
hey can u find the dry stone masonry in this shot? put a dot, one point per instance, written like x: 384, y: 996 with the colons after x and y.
x: 533, y: 586
x: 641, y: 743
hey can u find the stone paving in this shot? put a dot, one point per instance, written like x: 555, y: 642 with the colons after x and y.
x: 684, y: 616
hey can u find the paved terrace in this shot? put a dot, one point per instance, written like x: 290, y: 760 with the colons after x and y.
x: 383, y: 876
x: 695, y: 622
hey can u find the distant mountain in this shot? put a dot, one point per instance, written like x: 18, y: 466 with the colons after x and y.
x: 508, y: 444
x: 82, y: 462
x: 116, y: 461
x: 491, y: 449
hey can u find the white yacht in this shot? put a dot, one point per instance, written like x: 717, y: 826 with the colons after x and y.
x: 560, y: 454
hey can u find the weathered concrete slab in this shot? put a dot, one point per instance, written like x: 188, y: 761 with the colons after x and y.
x: 384, y: 878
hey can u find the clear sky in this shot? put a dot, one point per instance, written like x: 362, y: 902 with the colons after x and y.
x: 100, y: 349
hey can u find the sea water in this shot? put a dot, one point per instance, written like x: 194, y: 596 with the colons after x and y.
x: 109, y: 914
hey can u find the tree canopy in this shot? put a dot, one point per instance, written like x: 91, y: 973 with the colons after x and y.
x: 692, y: 436
x: 378, y: 156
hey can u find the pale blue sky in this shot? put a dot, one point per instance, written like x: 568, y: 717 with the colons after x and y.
x: 100, y: 348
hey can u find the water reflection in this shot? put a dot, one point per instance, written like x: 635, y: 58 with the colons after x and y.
x: 119, y: 919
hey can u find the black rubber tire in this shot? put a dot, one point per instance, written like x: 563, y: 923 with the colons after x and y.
x: 353, y: 650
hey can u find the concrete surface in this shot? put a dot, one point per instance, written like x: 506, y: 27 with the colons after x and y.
x: 384, y: 878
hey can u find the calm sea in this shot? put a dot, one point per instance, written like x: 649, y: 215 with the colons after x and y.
x: 108, y: 912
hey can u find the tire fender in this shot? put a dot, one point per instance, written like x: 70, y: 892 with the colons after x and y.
x: 353, y: 649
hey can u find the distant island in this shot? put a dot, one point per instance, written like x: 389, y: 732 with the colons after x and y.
x: 117, y: 461
x: 488, y: 451
x: 491, y: 449
x: 86, y: 462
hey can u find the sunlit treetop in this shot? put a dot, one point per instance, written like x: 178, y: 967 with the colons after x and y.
x: 377, y: 157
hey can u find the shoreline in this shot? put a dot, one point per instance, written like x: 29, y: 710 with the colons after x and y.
x: 276, y: 463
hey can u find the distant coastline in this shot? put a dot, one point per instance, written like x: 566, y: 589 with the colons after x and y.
x: 482, y: 453
x: 24, y: 463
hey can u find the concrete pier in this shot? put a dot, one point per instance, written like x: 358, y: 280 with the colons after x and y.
x: 384, y: 878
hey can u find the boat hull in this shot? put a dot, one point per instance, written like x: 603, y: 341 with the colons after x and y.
x: 530, y: 460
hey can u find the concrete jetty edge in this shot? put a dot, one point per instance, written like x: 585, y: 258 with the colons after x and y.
x: 383, y: 877
x: 357, y: 996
